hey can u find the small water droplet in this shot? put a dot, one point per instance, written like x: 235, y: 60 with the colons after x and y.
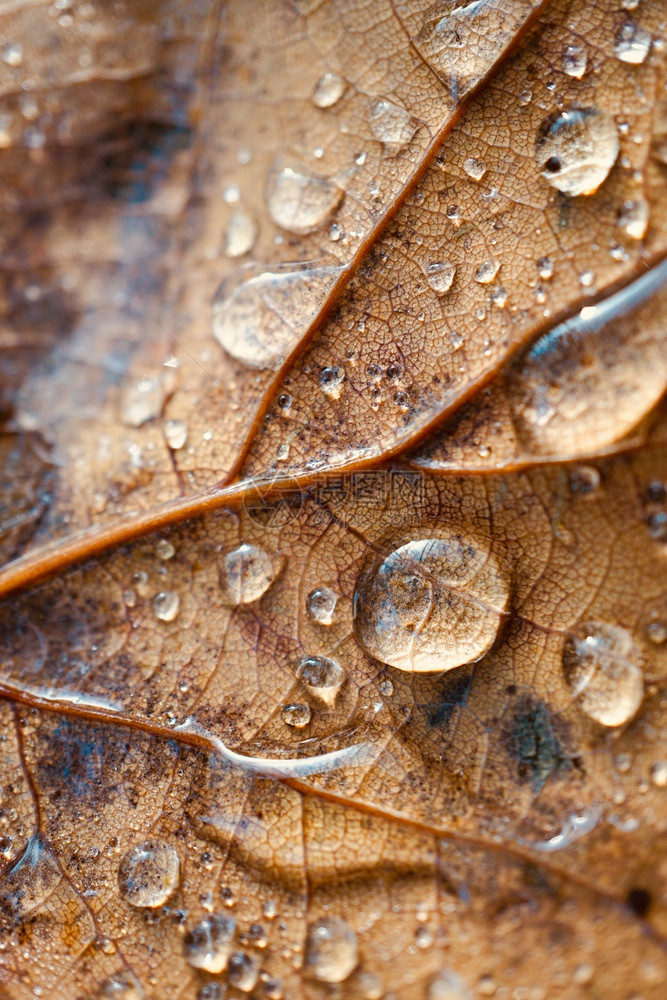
x: 456, y: 339
x: 259, y: 320
x: 176, y: 433
x: 209, y: 943
x: 525, y: 97
x: 322, y: 676
x: 657, y: 633
x: 332, y: 952
x: 328, y: 90
x: 164, y: 549
x: 440, y: 275
x: 121, y: 986
x: 586, y: 278
x: 499, y: 298
x: 247, y: 572
x: 301, y: 202
x: 321, y: 604
x: 474, y: 168
x: 423, y: 937
x: 487, y: 271
x: 166, y: 605
x: 431, y: 605
x: 296, y: 714
x: 142, y: 401
x: 242, y: 971
x: 148, y: 874
x: 331, y: 381
x: 240, y: 234
x: 574, y: 61
x: 335, y: 232
x: 12, y: 54
x: 602, y: 670
x: 576, y: 149
x: 370, y: 986
x: 633, y: 218
x: 391, y: 124
x: 270, y: 909
x: 6, y: 842
x: 632, y: 43
x: 659, y: 773
x: 584, y: 479
x: 447, y: 985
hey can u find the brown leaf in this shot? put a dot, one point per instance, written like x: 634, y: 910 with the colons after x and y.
x: 346, y: 727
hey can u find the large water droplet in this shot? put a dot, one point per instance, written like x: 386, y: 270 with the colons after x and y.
x: 301, y: 202
x: 258, y: 321
x: 431, y: 605
x: 332, y: 953
x: 321, y: 604
x: 240, y: 234
x: 602, y: 670
x: 440, y: 275
x: 574, y: 61
x: 632, y: 43
x: 576, y: 150
x: 242, y: 971
x: 210, y: 943
x: 391, y: 124
x: 322, y: 676
x: 166, y: 605
x: 121, y: 986
x: 148, y: 874
x: 247, y: 572
x: 328, y: 90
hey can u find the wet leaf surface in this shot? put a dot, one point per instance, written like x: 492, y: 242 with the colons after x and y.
x: 334, y: 618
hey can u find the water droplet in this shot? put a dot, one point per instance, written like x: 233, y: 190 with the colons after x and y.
x: 391, y: 124
x: 296, y: 714
x: 259, y: 320
x: 322, y: 677
x: 176, y: 433
x: 142, y: 401
x: 332, y: 953
x: 209, y: 944
x: 164, y: 549
x: 247, y: 572
x: 240, y: 234
x: 12, y: 54
x: 370, y: 986
x: 328, y: 90
x: 584, y: 479
x: 632, y: 43
x: 574, y: 61
x: 487, y: 271
x: 586, y: 279
x: 525, y: 97
x: 121, y: 986
x: 431, y: 605
x: 148, y: 874
x: 474, y: 168
x: 447, y: 985
x: 386, y: 688
x: 6, y: 842
x: 633, y: 218
x: 335, y: 232
x: 166, y: 605
x: 657, y: 633
x: 499, y: 298
x: 659, y: 774
x: 602, y: 669
x: 301, y: 202
x: 423, y: 937
x: 576, y: 150
x: 270, y: 909
x: 242, y: 971
x: 440, y: 275
x: 331, y: 381
x: 321, y: 604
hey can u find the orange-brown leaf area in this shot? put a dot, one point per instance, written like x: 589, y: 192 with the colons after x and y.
x: 333, y: 522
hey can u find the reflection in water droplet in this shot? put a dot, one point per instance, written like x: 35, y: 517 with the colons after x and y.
x: 176, y: 433
x: 242, y: 971
x: 296, y: 714
x: 574, y: 61
x: 247, y: 572
x: 576, y: 150
x: 487, y: 271
x: 121, y: 986
x: 633, y: 218
x: 431, y: 605
x: 474, y: 168
x: 321, y: 604
x: 602, y: 670
x: 300, y: 202
x: 142, y: 401
x: 148, y: 874
x: 391, y: 124
x: 328, y: 90
x: 209, y: 944
x: 447, y: 985
x: 322, y: 677
x: 331, y: 381
x: 632, y: 43
x: 240, y: 234
x: 166, y: 605
x: 258, y: 321
x: 440, y: 275
x: 332, y: 953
